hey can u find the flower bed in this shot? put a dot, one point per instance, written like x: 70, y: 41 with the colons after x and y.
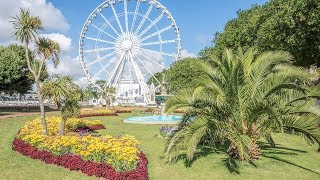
x: 97, y: 112
x: 123, y: 110
x: 75, y: 162
x: 105, y: 156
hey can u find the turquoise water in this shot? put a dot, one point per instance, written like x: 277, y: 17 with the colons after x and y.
x: 153, y: 119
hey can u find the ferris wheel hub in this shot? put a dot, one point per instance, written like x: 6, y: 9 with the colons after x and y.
x: 126, y: 45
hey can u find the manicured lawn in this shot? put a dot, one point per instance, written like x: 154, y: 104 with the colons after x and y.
x: 293, y: 159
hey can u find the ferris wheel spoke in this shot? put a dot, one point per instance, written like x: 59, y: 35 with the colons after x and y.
x: 108, y: 55
x: 103, y: 69
x: 117, y: 18
x: 144, y: 18
x: 156, y: 33
x: 109, y: 64
x: 100, y: 59
x: 162, y: 53
x: 115, y: 70
x: 153, y: 23
x: 109, y: 24
x: 98, y: 50
x: 135, y: 15
x: 103, y: 31
x: 126, y: 14
x: 159, y: 42
x: 148, y: 70
x: 100, y: 40
x: 153, y: 60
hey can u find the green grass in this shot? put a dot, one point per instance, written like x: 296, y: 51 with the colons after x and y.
x: 293, y: 159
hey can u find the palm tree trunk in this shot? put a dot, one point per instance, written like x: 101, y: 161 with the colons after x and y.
x: 62, y: 125
x: 254, y: 152
x: 42, y: 116
x: 37, y: 81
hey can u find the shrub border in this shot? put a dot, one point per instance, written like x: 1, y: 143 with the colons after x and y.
x: 76, y: 163
x: 97, y: 114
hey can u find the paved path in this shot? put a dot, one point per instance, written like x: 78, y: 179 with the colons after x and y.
x: 18, y: 115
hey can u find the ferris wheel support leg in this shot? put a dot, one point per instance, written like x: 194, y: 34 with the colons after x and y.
x: 115, y: 70
x: 143, y: 84
x: 119, y: 72
x: 148, y: 70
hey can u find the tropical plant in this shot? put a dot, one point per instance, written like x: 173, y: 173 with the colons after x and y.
x: 108, y: 93
x: 245, y: 97
x: 65, y: 94
x: 26, y: 30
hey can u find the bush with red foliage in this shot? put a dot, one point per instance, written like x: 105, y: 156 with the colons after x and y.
x: 74, y: 162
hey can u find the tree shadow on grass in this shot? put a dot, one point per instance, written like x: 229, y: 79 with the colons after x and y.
x: 273, y: 152
x: 288, y: 162
x: 233, y: 165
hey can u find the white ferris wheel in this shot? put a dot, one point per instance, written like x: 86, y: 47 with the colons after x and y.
x: 125, y: 42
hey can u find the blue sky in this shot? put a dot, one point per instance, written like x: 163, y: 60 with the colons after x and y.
x: 198, y: 20
x: 63, y: 21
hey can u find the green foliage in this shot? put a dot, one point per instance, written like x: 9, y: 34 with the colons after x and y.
x: 158, y: 77
x: 181, y: 75
x: 292, y: 25
x: 14, y: 74
x: 108, y: 93
x: 26, y: 27
x: 65, y: 94
x: 26, y: 30
x: 245, y: 96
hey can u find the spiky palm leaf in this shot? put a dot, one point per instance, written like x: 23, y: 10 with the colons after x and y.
x: 244, y: 97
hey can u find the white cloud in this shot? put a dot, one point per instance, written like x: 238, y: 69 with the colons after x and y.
x: 52, y: 18
x: 185, y: 54
x: 82, y: 81
x: 65, y: 42
x: 68, y: 67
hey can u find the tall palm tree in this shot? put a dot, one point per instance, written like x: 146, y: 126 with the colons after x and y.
x: 245, y: 97
x: 65, y: 94
x: 108, y: 94
x: 27, y: 29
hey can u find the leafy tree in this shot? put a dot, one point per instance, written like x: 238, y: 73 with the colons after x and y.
x: 292, y: 25
x: 181, y: 75
x: 14, y: 74
x: 245, y: 97
x: 65, y: 94
x: 26, y: 30
x: 158, y: 77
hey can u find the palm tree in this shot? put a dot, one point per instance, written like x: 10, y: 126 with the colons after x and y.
x: 245, y: 97
x: 108, y: 94
x: 27, y: 28
x: 65, y: 94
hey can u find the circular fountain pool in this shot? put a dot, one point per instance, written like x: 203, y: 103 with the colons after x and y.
x: 153, y: 119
